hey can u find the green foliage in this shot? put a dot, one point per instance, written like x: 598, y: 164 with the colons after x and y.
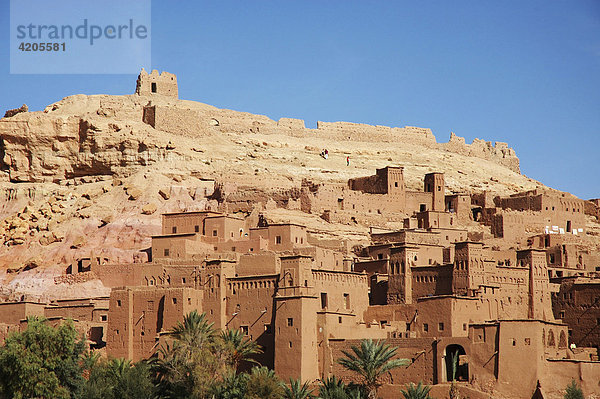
x: 418, y: 391
x: 118, y: 379
x: 193, y: 333
x: 573, y: 391
x: 297, y: 390
x: 237, y: 347
x: 371, y: 360
x: 192, y: 363
x: 233, y: 386
x: 42, y: 362
x: 333, y: 388
x: 263, y: 383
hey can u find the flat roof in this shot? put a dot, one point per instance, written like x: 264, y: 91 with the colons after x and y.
x: 191, y: 213
x: 174, y: 235
x: 224, y: 216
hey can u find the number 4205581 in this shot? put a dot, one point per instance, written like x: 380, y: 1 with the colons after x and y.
x: 24, y: 46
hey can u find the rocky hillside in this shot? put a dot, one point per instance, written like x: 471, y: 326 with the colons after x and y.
x: 93, y: 173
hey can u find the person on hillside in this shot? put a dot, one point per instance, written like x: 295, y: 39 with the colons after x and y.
x: 348, y: 160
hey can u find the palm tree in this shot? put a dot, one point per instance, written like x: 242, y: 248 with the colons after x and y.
x: 194, y: 331
x: 297, y: 390
x: 118, y: 367
x: 332, y: 388
x: 371, y: 360
x: 418, y: 391
x: 239, y: 348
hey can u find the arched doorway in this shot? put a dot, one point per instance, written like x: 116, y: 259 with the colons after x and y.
x: 457, y: 368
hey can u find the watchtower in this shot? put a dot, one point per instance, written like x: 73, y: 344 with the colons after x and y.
x: 434, y: 183
x: 154, y: 83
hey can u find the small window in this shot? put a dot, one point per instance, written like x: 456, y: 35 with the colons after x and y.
x: 425, y: 327
x: 214, y: 233
x: 183, y: 280
x: 117, y: 332
x: 323, y: 300
x: 340, y: 319
x: 103, y: 317
x: 244, y: 330
x: 174, y: 301
x: 464, y: 326
x: 395, y: 184
x: 514, y: 342
x: 527, y: 341
x: 197, y: 229
x: 562, y: 314
x: 296, y: 240
x: 290, y: 321
x: 153, y: 87
x: 174, y: 229
x: 166, y: 252
x: 347, y: 300
x: 278, y: 240
x: 118, y: 302
x: 441, y: 326
x: 290, y: 344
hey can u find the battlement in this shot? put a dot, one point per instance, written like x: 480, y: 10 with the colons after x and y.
x: 498, y: 152
x: 164, y: 84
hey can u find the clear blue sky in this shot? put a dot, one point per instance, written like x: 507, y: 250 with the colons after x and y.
x: 524, y: 72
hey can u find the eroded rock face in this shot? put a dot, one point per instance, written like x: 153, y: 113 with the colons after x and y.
x: 54, y: 145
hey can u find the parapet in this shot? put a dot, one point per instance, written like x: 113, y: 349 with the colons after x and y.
x: 154, y: 83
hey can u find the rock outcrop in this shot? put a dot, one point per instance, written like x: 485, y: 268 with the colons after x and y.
x: 13, y: 112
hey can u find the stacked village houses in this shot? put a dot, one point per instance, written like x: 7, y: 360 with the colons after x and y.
x: 514, y: 318
x: 428, y: 288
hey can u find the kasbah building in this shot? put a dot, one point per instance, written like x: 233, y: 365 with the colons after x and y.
x: 524, y: 322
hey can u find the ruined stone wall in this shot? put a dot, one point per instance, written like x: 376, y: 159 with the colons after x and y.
x: 176, y: 120
x: 499, y: 152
